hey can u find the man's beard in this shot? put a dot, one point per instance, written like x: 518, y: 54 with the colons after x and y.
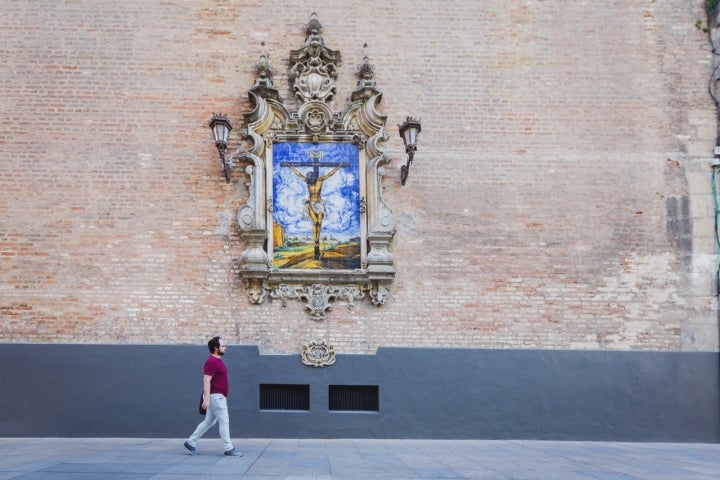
x: 221, y: 353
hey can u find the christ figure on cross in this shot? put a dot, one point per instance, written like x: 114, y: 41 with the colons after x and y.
x: 314, y: 204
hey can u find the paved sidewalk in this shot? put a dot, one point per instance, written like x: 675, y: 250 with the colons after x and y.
x: 357, y: 459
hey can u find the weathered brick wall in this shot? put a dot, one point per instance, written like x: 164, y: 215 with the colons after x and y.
x: 560, y: 198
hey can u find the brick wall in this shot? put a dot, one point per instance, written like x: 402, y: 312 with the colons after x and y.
x: 560, y: 198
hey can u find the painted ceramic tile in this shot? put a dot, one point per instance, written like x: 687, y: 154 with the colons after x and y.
x: 316, y: 206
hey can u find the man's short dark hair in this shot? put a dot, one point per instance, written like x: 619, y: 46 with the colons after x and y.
x: 214, y: 344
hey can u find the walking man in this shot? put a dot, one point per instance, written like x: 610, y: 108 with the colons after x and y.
x: 215, y: 392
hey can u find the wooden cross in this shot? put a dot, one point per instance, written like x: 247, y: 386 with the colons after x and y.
x: 316, y: 155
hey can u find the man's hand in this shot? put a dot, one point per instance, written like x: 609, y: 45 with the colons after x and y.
x: 206, y: 391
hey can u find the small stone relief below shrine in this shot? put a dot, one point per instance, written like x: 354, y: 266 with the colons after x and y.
x: 318, y: 354
x: 316, y: 226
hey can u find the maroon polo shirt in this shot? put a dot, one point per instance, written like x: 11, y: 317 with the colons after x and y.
x: 218, y: 371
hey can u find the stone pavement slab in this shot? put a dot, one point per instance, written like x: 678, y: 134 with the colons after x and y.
x: 354, y: 459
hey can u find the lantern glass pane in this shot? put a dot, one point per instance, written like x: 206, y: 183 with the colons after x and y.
x: 406, y: 136
x: 220, y: 132
x: 413, y: 136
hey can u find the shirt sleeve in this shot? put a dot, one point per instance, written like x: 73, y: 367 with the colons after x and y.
x: 210, y: 368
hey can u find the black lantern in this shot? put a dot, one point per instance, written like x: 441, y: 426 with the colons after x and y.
x: 409, y: 131
x: 221, y: 127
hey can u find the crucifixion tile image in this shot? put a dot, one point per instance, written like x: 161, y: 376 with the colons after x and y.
x: 316, y: 206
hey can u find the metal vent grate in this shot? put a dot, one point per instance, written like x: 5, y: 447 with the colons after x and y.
x: 358, y: 398
x: 284, y: 397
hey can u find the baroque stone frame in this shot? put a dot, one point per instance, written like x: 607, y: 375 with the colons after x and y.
x: 313, y: 70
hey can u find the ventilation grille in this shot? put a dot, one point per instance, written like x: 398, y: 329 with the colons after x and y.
x: 357, y: 398
x: 284, y: 397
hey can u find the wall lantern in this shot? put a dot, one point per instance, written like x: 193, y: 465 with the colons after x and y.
x: 221, y: 127
x: 409, y: 131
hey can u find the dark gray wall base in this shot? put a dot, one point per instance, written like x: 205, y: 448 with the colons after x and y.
x: 152, y: 391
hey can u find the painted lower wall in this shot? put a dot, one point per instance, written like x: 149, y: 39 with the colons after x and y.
x: 152, y: 391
